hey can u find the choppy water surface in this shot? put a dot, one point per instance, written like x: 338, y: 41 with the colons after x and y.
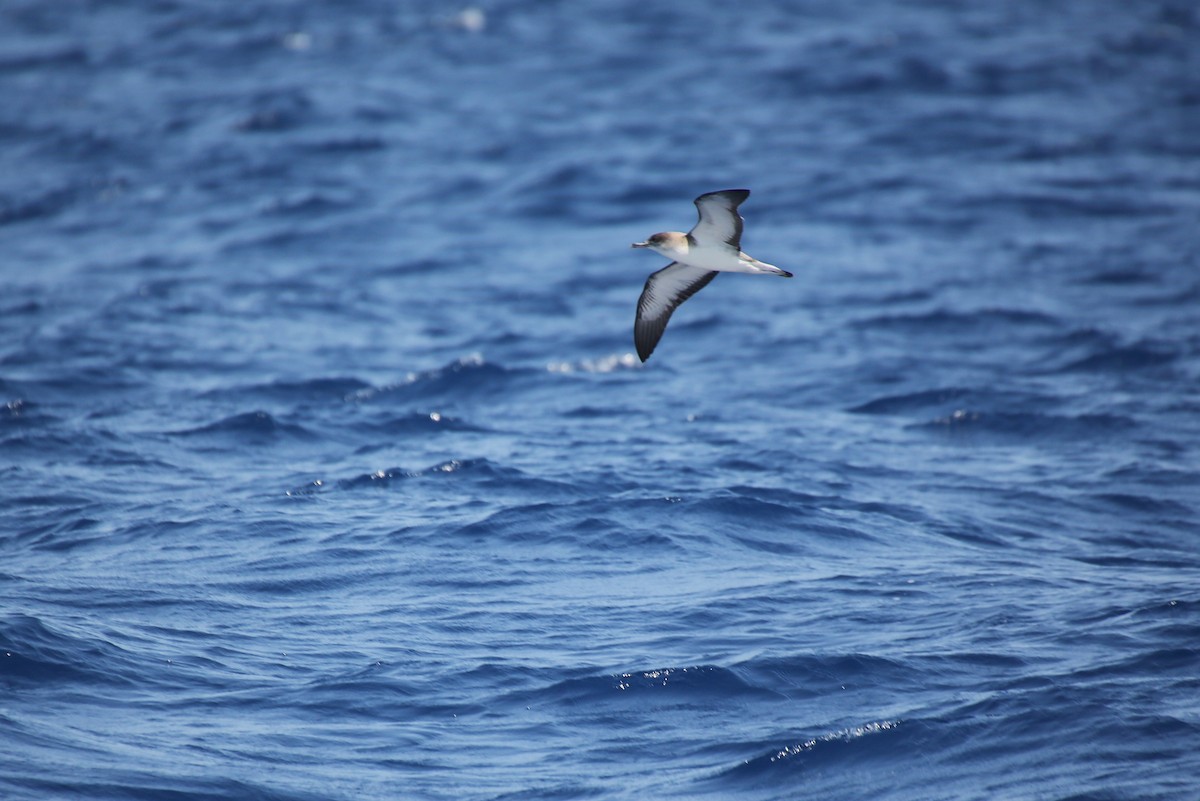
x: 328, y: 471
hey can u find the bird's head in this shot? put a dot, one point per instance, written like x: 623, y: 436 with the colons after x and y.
x: 671, y: 244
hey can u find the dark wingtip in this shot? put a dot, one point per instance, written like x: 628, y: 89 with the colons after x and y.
x: 739, y: 194
x: 786, y: 274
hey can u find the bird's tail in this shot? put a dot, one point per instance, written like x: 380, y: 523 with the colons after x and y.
x: 772, y: 269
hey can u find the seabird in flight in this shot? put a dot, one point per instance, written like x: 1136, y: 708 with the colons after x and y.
x: 712, y: 246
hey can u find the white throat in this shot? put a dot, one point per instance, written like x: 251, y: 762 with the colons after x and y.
x: 673, y: 251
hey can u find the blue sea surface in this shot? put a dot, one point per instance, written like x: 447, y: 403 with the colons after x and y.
x: 328, y: 472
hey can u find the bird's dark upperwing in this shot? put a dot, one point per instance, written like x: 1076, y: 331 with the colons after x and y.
x: 719, y: 218
x: 664, y: 291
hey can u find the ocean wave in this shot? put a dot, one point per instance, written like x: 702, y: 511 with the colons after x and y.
x: 350, y: 143
x: 309, y: 390
x: 667, y: 686
x: 481, y: 473
x: 309, y: 204
x: 147, y: 784
x: 33, y: 654
x: 816, y: 674
x: 414, y: 423
x: 385, y: 477
x: 280, y: 110
x: 249, y: 428
x: 1127, y: 358
x: 1028, y: 425
x: 1048, y: 203
x: 876, y: 741
x: 920, y: 400
x: 37, y: 204
x: 581, y: 526
x: 607, y: 364
x: 939, y: 321
x: 52, y: 57
x: 1100, y: 351
x: 470, y: 376
x: 20, y: 414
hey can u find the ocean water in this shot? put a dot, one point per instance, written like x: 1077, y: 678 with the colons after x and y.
x: 327, y: 470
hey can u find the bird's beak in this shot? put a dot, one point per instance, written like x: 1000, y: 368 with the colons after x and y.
x: 640, y: 245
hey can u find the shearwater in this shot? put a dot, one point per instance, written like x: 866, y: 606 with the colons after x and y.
x: 712, y: 246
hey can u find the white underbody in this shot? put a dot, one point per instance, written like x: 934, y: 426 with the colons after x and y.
x: 716, y: 258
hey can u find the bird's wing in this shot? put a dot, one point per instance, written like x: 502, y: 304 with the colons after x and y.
x: 719, y: 219
x: 664, y: 291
